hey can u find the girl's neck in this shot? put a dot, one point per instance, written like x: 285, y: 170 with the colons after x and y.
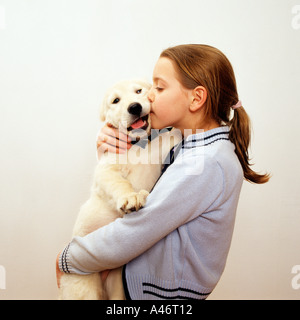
x: 205, y: 126
x: 211, y: 125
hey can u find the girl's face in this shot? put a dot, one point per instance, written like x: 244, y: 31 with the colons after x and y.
x: 169, y: 100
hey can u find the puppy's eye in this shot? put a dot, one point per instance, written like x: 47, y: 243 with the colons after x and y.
x: 139, y: 91
x: 116, y: 101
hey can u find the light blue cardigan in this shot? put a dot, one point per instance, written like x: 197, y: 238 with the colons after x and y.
x: 177, y: 245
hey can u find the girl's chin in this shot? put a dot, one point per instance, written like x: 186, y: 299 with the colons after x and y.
x: 152, y: 119
x: 156, y: 124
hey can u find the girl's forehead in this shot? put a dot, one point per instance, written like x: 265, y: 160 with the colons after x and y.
x: 164, y: 69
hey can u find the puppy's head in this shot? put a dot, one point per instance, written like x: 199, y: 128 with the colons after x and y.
x: 127, y: 108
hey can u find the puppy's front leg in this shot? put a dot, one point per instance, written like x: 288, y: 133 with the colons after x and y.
x: 119, y: 189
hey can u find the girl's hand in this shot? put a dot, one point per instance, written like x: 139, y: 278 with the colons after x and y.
x: 58, y: 272
x: 111, y: 140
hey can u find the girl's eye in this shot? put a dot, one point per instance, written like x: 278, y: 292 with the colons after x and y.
x: 159, y: 89
x: 139, y: 91
x: 116, y: 101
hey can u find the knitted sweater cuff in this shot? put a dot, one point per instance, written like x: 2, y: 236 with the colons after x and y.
x: 63, y: 260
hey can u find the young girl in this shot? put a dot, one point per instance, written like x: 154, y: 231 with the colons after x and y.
x: 177, y: 245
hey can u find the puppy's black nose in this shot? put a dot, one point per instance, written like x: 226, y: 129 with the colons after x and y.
x: 135, y: 109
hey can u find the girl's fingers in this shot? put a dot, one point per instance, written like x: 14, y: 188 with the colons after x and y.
x: 58, y: 272
x: 113, y: 137
x: 112, y: 143
x: 111, y: 140
x: 115, y: 133
x: 106, y: 147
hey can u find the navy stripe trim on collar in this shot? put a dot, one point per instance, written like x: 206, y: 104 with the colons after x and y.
x: 203, y: 141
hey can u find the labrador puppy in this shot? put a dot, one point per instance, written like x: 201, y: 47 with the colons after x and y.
x: 121, y: 182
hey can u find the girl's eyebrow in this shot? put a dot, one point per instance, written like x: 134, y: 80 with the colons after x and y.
x: 158, y: 78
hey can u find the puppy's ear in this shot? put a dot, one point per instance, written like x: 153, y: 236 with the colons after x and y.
x: 103, y: 110
x: 146, y: 84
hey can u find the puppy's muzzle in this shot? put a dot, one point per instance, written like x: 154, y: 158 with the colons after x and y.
x: 135, y: 109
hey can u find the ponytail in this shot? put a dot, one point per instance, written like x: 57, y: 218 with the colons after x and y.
x: 240, y: 136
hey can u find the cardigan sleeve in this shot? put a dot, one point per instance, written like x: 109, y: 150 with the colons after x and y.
x: 183, y: 193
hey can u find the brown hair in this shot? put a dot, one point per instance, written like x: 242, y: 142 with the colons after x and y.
x: 203, y: 65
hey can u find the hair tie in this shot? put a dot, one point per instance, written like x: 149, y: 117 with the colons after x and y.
x: 238, y: 105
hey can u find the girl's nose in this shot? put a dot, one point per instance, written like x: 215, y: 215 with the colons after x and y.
x: 151, y: 95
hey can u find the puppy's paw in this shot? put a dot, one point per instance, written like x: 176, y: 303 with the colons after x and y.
x: 133, y: 201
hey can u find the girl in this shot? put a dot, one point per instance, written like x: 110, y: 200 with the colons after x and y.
x: 177, y: 245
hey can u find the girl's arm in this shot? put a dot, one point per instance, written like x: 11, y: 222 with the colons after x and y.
x: 178, y: 198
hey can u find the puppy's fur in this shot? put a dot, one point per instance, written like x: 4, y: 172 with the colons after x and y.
x: 121, y: 183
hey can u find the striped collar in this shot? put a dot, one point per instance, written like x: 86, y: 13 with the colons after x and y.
x: 200, y: 139
x: 196, y: 140
x: 206, y: 138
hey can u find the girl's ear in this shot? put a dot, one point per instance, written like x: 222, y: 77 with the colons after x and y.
x: 199, y: 96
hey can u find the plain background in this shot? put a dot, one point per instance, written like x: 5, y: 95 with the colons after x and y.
x: 58, y: 57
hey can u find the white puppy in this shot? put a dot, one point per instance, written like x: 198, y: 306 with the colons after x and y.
x: 122, y: 182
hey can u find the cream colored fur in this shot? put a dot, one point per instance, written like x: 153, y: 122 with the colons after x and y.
x: 121, y: 185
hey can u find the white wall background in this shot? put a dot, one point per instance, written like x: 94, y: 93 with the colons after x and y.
x: 56, y: 60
